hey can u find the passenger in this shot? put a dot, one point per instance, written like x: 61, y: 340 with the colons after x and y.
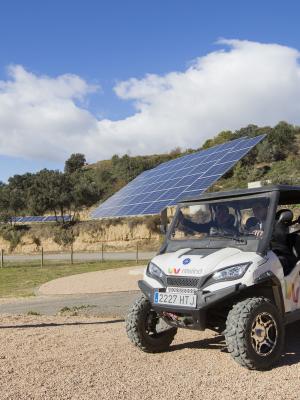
x: 279, y: 241
x: 256, y: 224
x: 222, y: 224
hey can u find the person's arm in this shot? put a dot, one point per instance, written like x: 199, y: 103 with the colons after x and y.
x: 253, y: 226
x: 194, y: 226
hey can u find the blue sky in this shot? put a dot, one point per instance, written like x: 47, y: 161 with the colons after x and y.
x: 108, y: 42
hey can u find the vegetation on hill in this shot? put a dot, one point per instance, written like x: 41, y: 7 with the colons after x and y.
x: 275, y: 159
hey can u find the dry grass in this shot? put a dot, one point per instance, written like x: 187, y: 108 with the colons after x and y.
x: 21, y: 279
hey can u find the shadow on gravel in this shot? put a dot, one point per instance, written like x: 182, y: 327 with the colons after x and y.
x: 291, y: 354
x: 53, y: 325
x: 216, y: 342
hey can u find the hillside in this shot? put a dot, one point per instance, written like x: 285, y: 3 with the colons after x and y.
x: 115, y: 235
x: 81, y: 187
x: 276, y: 158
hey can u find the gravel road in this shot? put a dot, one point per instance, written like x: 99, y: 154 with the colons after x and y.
x: 86, y: 358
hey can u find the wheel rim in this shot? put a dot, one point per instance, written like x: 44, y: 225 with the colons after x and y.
x: 151, y: 323
x: 264, y: 334
x: 154, y: 325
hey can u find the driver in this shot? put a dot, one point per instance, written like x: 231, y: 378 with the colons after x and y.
x: 223, y: 222
x: 256, y: 224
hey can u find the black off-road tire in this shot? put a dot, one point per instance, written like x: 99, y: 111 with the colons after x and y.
x: 136, y: 328
x: 239, y: 338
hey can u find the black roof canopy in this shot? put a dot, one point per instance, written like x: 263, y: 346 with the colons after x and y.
x: 287, y: 194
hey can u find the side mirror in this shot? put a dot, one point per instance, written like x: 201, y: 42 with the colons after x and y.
x: 164, y: 221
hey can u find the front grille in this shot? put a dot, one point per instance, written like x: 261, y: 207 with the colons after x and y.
x: 182, y: 281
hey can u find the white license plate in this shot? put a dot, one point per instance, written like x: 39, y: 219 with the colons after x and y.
x: 175, y: 299
x: 181, y: 290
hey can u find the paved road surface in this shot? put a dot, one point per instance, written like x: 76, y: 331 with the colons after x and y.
x: 82, y: 256
x: 104, y: 304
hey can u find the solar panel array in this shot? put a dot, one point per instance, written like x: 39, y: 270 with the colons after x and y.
x: 50, y: 218
x: 175, y: 180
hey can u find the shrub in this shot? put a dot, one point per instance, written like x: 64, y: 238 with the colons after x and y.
x: 13, y: 234
x: 36, y: 240
x: 132, y: 223
x: 64, y: 236
x: 153, y: 223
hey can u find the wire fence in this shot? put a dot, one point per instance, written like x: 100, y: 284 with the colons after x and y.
x: 72, y: 256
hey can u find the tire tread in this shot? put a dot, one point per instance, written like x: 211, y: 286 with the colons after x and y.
x: 135, y: 332
x: 235, y: 333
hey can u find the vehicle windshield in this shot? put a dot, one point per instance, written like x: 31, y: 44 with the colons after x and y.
x: 236, y: 220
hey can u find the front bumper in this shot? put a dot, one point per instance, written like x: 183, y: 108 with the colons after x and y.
x: 191, y: 318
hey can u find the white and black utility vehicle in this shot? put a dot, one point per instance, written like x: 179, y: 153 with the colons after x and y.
x: 229, y: 263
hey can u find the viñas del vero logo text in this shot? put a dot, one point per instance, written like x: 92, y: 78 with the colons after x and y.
x: 174, y: 270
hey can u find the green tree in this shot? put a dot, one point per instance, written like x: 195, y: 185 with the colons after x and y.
x: 50, y: 192
x: 249, y: 130
x: 83, y: 191
x: 74, y: 163
x: 11, y: 203
x: 279, y: 144
x: 222, y: 137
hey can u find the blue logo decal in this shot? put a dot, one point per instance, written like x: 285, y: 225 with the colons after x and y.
x: 186, y: 261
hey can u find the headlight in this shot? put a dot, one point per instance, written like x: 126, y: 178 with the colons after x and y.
x: 231, y: 273
x: 154, y: 271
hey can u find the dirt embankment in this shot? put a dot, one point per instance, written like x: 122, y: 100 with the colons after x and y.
x: 116, y: 235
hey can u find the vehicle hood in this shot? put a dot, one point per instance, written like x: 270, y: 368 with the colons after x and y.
x: 182, y: 263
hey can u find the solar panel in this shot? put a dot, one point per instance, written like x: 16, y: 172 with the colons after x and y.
x: 50, y: 219
x: 175, y: 180
x: 40, y: 219
x: 16, y: 219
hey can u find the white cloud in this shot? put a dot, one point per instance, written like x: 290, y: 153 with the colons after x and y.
x: 245, y: 82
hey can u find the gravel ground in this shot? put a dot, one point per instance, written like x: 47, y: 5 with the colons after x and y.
x: 87, y: 358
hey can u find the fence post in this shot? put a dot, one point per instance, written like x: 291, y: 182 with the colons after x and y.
x: 137, y: 252
x: 2, y: 258
x: 102, y: 252
x: 72, y: 259
x: 42, y: 257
